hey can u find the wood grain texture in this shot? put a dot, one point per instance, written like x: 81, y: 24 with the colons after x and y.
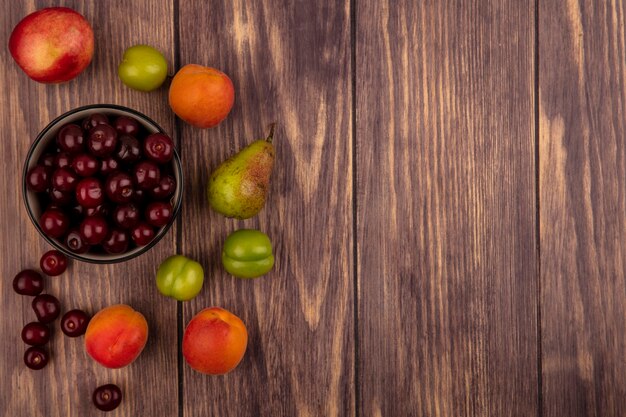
x: 450, y: 270
x: 290, y: 63
x: 446, y: 208
x: 64, y: 387
x: 583, y: 207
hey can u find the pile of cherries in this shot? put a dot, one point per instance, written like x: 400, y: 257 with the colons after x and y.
x: 47, y: 309
x: 104, y: 186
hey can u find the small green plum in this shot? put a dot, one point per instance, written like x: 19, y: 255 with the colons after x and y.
x: 180, y: 277
x: 142, y: 68
x: 247, y: 253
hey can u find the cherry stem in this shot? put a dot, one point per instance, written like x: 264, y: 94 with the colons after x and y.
x: 270, y: 137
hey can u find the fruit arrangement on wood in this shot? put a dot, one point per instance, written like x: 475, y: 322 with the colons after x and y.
x: 106, y: 183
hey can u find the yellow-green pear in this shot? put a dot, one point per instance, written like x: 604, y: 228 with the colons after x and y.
x: 238, y: 187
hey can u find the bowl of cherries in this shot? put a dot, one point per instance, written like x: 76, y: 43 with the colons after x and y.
x: 102, y: 183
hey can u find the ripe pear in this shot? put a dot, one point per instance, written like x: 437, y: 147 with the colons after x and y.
x: 238, y: 187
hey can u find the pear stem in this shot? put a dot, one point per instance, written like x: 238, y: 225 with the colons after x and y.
x: 270, y: 137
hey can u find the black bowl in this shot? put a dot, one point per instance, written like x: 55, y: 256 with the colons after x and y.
x: 48, y: 135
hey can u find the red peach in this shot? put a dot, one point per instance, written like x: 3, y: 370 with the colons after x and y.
x: 116, y: 335
x: 215, y: 341
x: 52, y: 45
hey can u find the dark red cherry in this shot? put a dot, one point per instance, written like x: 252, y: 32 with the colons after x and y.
x: 128, y: 150
x: 47, y: 307
x: 101, y: 210
x: 89, y: 193
x: 116, y: 242
x: 75, y: 242
x: 119, y: 187
x: 36, y: 357
x: 102, y: 140
x: 53, y: 263
x: 63, y: 160
x: 71, y: 138
x: 85, y: 165
x: 94, y: 230
x: 93, y: 120
x: 28, y: 282
x: 159, y: 147
x: 107, y: 397
x: 126, y: 126
x: 35, y: 334
x: 142, y: 234
x: 166, y: 187
x: 54, y: 223
x: 48, y: 160
x: 60, y: 198
x: 159, y: 213
x: 146, y: 175
x: 74, y: 323
x: 108, y: 166
x: 38, y: 178
x: 126, y: 216
x: 64, y: 179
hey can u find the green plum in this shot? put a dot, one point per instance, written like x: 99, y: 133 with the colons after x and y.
x: 247, y: 253
x: 142, y: 68
x: 180, y: 278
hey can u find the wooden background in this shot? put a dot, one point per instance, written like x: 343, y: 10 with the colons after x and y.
x: 447, y: 210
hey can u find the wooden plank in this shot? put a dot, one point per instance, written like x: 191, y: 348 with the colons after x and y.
x: 64, y: 387
x: 290, y: 63
x: 583, y: 207
x: 446, y: 208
